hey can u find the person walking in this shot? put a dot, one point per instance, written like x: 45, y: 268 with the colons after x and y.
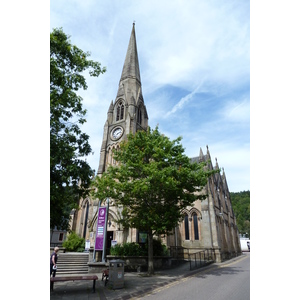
x: 53, y: 261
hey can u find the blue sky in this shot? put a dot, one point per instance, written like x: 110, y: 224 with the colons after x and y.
x: 194, y: 61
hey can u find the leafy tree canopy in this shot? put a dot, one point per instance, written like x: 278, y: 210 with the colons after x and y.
x: 241, y: 206
x: 68, y: 144
x: 153, y: 181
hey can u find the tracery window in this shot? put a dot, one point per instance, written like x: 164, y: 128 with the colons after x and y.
x: 120, y: 111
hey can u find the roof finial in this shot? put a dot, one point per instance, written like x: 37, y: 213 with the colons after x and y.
x: 133, y: 22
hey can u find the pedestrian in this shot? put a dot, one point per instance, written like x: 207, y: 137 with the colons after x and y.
x: 248, y: 245
x: 53, y: 261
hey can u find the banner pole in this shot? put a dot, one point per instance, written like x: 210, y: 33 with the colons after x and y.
x: 105, y: 232
x: 94, y: 253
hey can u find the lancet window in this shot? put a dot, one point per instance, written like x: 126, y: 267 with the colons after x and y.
x: 195, y: 221
x: 139, y: 115
x: 186, y: 227
x: 120, y: 111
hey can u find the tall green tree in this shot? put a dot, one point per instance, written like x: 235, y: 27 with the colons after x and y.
x: 153, y: 181
x: 241, y: 207
x: 70, y: 174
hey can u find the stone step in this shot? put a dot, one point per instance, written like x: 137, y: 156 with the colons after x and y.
x: 72, y: 263
x: 63, y: 259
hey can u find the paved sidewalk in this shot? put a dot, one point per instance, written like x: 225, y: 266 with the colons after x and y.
x: 135, y: 284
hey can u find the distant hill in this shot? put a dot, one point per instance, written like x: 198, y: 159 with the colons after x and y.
x: 241, y: 207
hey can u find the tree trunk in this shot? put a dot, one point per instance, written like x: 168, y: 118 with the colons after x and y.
x: 150, y: 253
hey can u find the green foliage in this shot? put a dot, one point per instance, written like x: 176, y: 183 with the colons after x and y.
x: 74, y: 243
x: 127, y: 249
x: 135, y: 249
x: 153, y: 182
x: 68, y: 145
x: 241, y: 206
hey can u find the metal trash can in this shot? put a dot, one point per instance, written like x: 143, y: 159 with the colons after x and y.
x: 116, y: 274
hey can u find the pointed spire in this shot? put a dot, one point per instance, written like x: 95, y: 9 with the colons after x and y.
x: 131, y: 65
x: 207, y: 152
x: 217, y: 165
x: 201, y: 156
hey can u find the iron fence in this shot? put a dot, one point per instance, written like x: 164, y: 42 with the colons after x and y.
x: 201, y: 258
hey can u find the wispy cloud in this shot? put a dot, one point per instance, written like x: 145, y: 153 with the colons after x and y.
x: 183, y: 101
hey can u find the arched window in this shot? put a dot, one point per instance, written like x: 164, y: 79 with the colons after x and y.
x: 186, y: 227
x: 139, y: 115
x: 196, y: 232
x: 112, y: 154
x: 120, y: 111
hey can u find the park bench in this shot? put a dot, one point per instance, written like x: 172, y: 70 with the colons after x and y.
x: 73, y: 278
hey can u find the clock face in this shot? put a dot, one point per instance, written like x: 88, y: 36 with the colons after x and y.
x: 117, y: 133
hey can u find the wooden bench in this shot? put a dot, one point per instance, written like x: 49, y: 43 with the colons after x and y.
x: 73, y: 278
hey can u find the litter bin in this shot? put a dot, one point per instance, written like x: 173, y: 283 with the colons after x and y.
x: 116, y: 274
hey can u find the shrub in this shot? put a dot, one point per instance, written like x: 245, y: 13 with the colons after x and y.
x: 135, y: 249
x: 128, y: 249
x: 74, y: 243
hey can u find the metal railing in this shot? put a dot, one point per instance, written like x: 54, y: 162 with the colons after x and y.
x: 201, y: 258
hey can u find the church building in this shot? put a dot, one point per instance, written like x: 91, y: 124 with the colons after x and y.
x: 209, y: 224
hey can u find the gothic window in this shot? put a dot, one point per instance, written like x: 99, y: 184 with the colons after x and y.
x: 120, y: 111
x: 186, y: 227
x: 195, y: 221
x: 113, y: 159
x: 139, y: 115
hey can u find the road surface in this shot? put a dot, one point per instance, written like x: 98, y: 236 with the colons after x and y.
x: 226, y: 281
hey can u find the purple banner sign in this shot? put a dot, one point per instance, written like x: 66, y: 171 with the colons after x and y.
x: 100, y: 228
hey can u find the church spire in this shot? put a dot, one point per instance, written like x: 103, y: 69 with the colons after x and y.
x: 131, y: 67
x: 130, y: 86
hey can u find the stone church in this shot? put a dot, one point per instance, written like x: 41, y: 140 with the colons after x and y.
x: 209, y: 224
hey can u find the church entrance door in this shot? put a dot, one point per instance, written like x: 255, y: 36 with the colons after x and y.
x: 110, y: 236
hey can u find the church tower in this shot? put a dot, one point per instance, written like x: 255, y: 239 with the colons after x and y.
x: 128, y: 113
